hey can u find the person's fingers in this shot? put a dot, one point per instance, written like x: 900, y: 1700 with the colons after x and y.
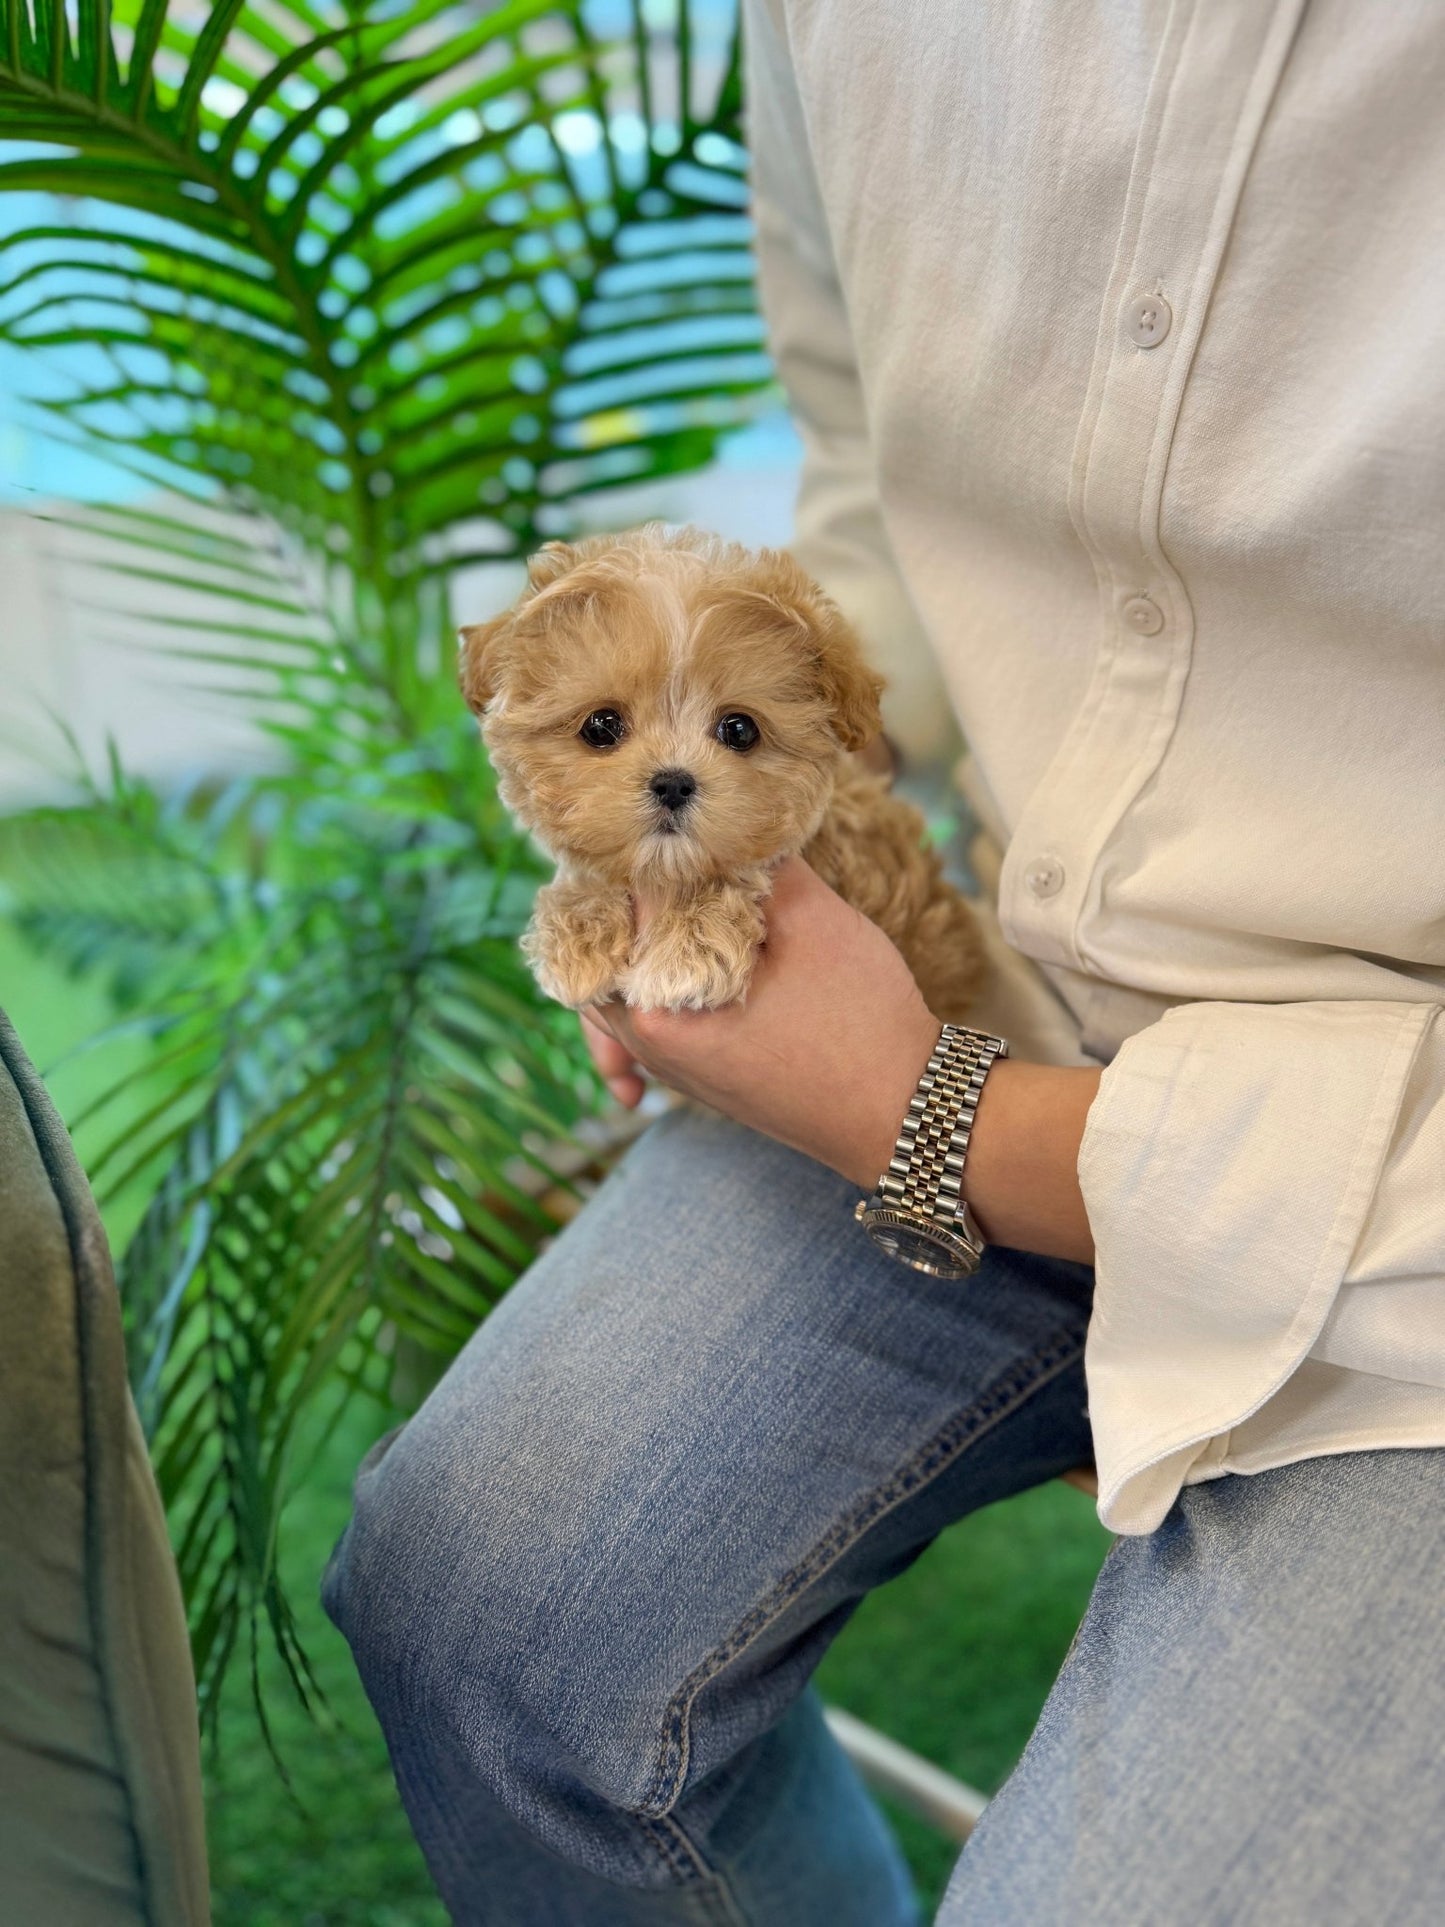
x: 796, y: 886
x: 799, y: 906
x: 613, y: 1059
x: 793, y: 873
x: 608, y: 1052
x: 615, y: 1020
x: 629, y: 1089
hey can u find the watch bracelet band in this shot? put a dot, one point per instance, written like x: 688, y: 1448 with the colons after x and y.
x: 925, y: 1173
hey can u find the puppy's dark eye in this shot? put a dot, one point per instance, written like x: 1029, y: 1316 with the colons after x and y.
x: 738, y: 732
x: 603, y: 729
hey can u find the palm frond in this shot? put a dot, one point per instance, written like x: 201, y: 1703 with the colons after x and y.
x: 412, y: 282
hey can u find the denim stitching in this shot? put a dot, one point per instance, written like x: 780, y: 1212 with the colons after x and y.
x: 687, y: 1865
x: 661, y: 1836
x: 962, y: 1430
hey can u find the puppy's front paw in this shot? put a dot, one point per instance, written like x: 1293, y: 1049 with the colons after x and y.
x: 578, y: 945
x: 687, y: 977
x: 574, y: 981
x: 696, y: 958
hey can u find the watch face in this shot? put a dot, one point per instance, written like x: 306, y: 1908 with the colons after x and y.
x: 923, y: 1247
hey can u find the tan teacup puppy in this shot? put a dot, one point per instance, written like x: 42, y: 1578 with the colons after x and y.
x: 668, y: 712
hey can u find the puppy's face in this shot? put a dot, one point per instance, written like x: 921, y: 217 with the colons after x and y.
x: 668, y: 708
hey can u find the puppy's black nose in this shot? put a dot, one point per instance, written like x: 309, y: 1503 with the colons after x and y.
x: 673, y: 788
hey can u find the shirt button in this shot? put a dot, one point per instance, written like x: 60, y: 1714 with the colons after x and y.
x: 1045, y: 876
x: 1143, y: 615
x: 1147, y: 320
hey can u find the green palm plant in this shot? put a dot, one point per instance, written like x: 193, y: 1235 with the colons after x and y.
x: 359, y: 292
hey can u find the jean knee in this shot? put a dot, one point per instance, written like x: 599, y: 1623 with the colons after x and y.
x: 496, y: 1624
x: 364, y: 1583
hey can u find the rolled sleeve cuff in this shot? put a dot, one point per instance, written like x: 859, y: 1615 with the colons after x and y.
x: 1227, y: 1168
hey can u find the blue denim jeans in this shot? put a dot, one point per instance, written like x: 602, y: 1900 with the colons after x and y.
x: 587, y: 1584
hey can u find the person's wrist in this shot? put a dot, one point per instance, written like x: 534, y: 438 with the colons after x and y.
x: 1020, y: 1179
x: 864, y: 1151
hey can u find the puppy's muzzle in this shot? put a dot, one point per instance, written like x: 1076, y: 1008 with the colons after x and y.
x: 674, y: 790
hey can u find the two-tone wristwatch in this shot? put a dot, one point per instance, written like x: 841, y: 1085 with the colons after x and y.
x: 918, y: 1214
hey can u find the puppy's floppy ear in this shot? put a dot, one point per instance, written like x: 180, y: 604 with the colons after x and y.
x: 480, y: 660
x: 850, y: 688
x: 549, y: 562
x: 483, y: 654
x: 853, y: 688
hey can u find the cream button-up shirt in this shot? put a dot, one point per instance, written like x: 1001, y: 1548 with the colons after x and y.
x: 1115, y: 332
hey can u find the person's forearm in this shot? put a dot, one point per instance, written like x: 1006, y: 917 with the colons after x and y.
x: 1021, y: 1176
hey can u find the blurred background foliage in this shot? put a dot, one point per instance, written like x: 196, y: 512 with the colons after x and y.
x: 318, y: 309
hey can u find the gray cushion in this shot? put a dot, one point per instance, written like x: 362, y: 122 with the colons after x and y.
x: 100, y: 1789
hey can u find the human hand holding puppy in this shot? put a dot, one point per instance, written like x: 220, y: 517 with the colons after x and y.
x: 824, y: 1056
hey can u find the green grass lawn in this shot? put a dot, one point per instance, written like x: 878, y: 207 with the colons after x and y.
x: 954, y: 1658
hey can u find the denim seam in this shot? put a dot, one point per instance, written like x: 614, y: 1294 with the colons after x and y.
x: 664, y: 1834
x: 932, y: 1458
x: 688, y: 1866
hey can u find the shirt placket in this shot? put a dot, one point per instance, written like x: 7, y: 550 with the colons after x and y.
x: 1219, y: 65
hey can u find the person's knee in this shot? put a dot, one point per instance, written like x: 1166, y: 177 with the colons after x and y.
x: 359, y: 1588
x: 497, y: 1616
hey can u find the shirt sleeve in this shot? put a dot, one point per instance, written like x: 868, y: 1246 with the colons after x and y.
x: 1266, y: 1187
x: 840, y: 537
